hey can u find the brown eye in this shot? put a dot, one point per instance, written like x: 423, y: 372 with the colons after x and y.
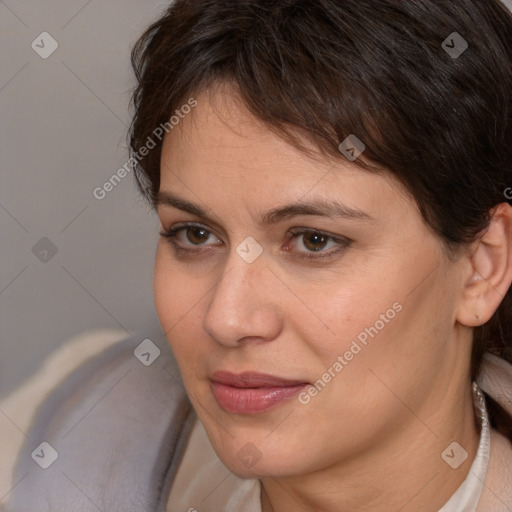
x: 311, y: 244
x: 186, y: 237
x: 197, y: 235
x: 314, y: 241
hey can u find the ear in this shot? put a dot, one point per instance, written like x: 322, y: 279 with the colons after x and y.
x: 489, y: 273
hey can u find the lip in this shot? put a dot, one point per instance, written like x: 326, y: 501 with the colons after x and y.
x: 252, y: 392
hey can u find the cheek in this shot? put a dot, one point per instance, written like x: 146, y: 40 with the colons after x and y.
x: 178, y: 303
x: 174, y: 294
x: 173, y: 303
x: 165, y: 294
x: 388, y: 339
x: 336, y: 314
x: 367, y: 328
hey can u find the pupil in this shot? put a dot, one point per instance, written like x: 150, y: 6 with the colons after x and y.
x: 315, y: 238
x: 197, y: 235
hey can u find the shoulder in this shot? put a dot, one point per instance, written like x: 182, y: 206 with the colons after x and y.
x: 497, y: 490
x: 496, y: 380
x: 109, y: 433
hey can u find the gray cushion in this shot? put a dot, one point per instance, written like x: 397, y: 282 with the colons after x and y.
x: 119, y: 428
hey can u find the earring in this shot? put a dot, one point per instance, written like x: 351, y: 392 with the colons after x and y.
x: 477, y: 317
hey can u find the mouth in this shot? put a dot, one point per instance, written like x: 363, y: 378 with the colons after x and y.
x: 252, y: 392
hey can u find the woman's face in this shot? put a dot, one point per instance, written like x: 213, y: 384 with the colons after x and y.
x: 360, y: 317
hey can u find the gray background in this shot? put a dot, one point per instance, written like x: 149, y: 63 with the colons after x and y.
x: 63, y: 133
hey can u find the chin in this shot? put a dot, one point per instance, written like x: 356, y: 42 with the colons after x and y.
x: 248, y: 457
x: 262, y: 468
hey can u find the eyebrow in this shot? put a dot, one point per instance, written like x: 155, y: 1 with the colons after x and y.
x: 322, y: 208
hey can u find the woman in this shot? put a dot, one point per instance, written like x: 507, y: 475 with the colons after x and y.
x: 334, y: 268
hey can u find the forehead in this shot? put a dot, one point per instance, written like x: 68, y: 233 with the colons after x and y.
x: 222, y: 131
x: 221, y: 146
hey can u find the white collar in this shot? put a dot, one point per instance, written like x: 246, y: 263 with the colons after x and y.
x: 466, y: 497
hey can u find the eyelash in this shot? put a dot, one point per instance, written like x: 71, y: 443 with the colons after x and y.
x: 170, y: 237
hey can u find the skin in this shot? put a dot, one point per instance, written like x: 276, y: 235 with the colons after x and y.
x: 372, y: 439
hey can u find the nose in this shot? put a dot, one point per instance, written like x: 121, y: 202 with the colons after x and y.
x: 243, y: 307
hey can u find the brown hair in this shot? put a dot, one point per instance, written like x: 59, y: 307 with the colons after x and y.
x: 441, y: 123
